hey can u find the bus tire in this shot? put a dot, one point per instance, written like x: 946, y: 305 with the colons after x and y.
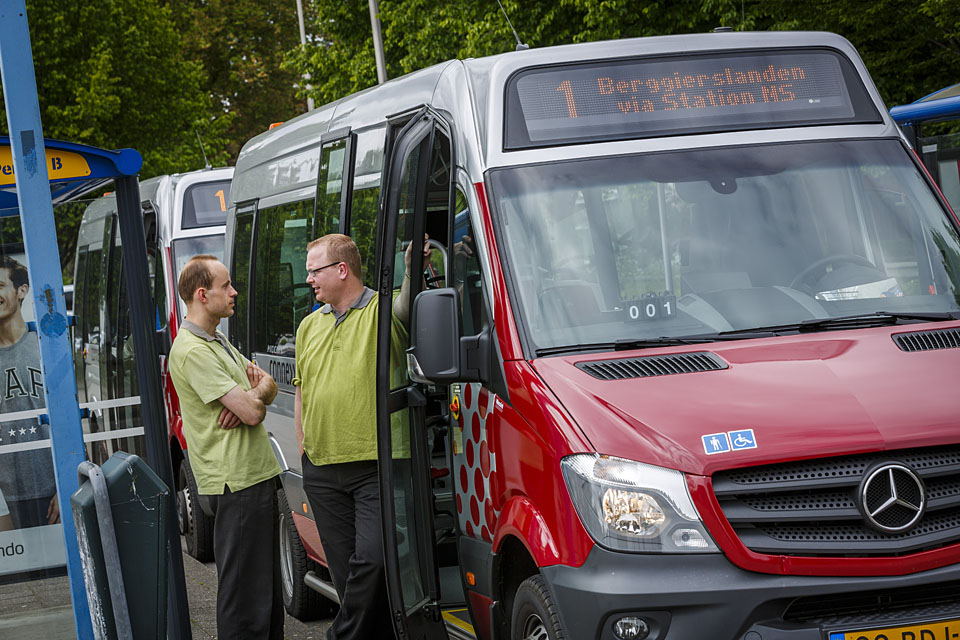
x: 535, y: 615
x: 299, y: 600
x: 195, y: 525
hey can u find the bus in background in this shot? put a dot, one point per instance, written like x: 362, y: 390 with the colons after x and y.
x: 940, y: 153
x: 682, y: 365
x: 184, y: 215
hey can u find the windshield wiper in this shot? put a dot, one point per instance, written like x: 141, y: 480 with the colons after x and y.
x: 858, y: 321
x: 618, y: 345
x: 648, y: 343
x: 874, y: 319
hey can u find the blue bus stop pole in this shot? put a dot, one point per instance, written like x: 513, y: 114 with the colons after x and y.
x: 46, y: 280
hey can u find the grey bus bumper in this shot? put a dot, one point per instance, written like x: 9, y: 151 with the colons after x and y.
x: 692, y: 597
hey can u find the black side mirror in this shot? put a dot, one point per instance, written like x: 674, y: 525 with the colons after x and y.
x: 161, y: 338
x: 438, y: 352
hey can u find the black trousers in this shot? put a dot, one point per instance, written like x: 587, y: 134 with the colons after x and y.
x: 345, y: 499
x: 246, y: 546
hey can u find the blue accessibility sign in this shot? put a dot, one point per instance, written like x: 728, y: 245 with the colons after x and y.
x: 716, y: 443
x: 743, y: 439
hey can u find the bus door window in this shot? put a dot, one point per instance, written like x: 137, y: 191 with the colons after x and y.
x: 330, y: 192
x: 155, y: 272
x: 283, y: 297
x: 365, y: 200
x: 79, y: 279
x: 113, y: 338
x: 242, y: 257
x: 467, y: 276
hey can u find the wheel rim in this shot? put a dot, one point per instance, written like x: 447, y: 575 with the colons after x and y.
x: 184, y: 507
x: 286, y: 558
x: 534, y: 629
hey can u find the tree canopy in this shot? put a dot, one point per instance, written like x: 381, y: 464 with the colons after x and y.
x: 912, y: 47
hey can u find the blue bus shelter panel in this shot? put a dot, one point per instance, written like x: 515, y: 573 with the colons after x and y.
x: 939, y: 105
x: 74, y: 169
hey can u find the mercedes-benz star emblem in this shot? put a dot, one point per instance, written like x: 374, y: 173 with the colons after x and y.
x: 892, y: 497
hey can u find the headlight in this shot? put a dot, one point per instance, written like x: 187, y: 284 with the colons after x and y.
x: 631, y: 506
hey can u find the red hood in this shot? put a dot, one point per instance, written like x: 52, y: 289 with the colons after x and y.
x: 803, y: 396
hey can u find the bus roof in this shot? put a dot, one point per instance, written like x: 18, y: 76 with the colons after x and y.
x: 285, y: 158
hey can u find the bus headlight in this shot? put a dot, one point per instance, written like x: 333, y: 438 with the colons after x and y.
x: 632, y: 506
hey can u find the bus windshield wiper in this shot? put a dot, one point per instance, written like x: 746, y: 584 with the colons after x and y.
x: 649, y: 343
x: 703, y: 338
x: 875, y: 319
x: 621, y: 345
x: 859, y: 321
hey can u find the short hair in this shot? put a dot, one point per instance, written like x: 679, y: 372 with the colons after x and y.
x: 17, y: 272
x: 340, y: 248
x: 195, y: 275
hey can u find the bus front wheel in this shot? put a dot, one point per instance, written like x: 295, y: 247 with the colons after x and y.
x: 535, y: 615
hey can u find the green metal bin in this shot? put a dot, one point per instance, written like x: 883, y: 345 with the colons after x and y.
x: 121, y: 519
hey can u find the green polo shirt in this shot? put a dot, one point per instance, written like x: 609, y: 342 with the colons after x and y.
x: 204, y: 368
x: 336, y: 372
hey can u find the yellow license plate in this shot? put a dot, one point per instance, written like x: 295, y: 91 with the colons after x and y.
x: 944, y: 630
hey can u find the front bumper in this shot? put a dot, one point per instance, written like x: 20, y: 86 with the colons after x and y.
x: 692, y: 597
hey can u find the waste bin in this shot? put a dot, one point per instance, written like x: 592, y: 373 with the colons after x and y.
x: 125, y: 573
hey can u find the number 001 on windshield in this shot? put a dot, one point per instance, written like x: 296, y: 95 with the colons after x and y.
x: 944, y: 630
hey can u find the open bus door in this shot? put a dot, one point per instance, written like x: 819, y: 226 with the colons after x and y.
x: 405, y: 490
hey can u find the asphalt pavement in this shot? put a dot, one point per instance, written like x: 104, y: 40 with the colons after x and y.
x: 42, y: 609
x: 201, y: 581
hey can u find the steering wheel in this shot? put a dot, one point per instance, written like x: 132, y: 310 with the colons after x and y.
x: 812, y: 268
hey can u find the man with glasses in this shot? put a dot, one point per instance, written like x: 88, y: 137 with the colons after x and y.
x: 336, y: 427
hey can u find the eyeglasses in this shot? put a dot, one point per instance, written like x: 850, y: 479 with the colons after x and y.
x: 312, y: 273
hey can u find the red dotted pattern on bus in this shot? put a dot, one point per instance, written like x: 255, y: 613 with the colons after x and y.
x: 476, y: 465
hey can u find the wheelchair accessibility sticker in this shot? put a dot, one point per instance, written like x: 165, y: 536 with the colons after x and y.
x: 729, y: 441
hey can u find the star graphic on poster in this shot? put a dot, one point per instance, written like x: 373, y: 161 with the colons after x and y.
x: 13, y: 432
x: 33, y: 429
x: 23, y: 431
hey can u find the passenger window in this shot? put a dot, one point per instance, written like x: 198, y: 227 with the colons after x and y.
x: 283, y: 297
x: 241, y: 279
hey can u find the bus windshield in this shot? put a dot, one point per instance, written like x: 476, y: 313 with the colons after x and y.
x: 704, y: 241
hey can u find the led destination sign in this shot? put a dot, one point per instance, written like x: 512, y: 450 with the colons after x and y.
x: 642, y: 98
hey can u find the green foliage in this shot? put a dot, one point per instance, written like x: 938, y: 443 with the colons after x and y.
x: 239, y: 45
x: 112, y: 74
x: 912, y: 47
